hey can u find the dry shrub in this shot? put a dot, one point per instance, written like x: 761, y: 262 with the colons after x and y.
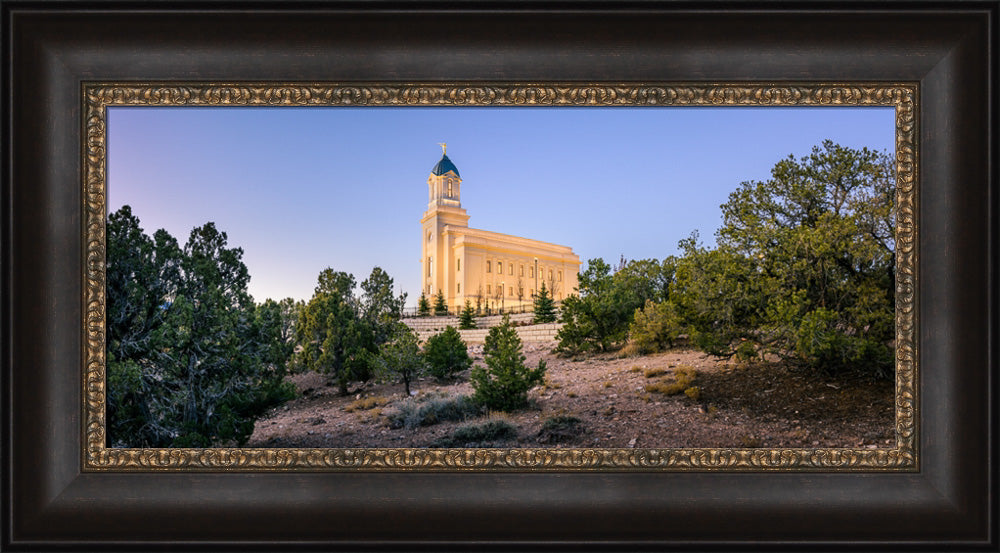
x: 656, y: 371
x: 366, y: 403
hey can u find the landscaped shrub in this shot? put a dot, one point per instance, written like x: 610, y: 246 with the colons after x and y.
x: 440, y: 307
x: 545, y: 307
x: 446, y: 354
x: 504, y: 383
x: 465, y: 319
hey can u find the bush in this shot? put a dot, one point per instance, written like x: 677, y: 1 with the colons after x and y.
x: 485, y: 434
x: 429, y: 410
x: 822, y: 344
x: 560, y: 428
x: 446, y: 354
x: 654, y: 328
x: 503, y: 385
x: 424, y: 306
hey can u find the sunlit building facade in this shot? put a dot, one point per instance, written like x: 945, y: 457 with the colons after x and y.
x: 487, y: 268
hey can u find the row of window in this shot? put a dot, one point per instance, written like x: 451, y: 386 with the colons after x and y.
x: 510, y: 270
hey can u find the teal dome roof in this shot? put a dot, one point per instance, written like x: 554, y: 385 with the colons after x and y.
x: 444, y: 166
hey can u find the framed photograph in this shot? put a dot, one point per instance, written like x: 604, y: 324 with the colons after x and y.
x: 106, y: 446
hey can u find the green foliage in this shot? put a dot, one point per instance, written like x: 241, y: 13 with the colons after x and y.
x: 379, y: 308
x: 465, y: 319
x: 334, y: 338
x: 560, y: 428
x: 446, y: 354
x: 596, y: 319
x: 810, y: 261
x: 433, y: 409
x: 401, y: 356
x: 545, y: 307
x: 440, y: 307
x: 424, y: 306
x: 654, y: 328
x: 503, y: 385
x: 192, y: 361
x: 487, y: 434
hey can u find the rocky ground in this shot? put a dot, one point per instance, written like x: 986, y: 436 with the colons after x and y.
x: 603, y: 401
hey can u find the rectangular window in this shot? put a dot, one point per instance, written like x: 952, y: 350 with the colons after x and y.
x: 521, y: 271
x: 550, y: 274
x: 511, y: 270
x: 459, y: 262
x: 511, y: 291
x: 531, y: 272
x: 532, y: 292
x: 489, y: 266
x: 458, y: 288
x: 487, y: 288
x: 430, y: 263
x: 500, y: 267
x: 560, y: 276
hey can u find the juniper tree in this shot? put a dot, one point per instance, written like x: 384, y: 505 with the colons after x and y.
x: 334, y: 338
x: 424, y: 306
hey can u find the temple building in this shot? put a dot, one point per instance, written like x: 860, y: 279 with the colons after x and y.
x: 487, y: 268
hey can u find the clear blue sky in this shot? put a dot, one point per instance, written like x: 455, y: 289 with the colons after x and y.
x: 301, y: 189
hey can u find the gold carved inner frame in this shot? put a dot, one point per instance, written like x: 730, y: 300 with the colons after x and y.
x: 97, y: 97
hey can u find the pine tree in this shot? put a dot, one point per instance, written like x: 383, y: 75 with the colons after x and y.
x: 545, y: 308
x: 440, y: 307
x: 504, y: 383
x: 465, y: 320
x: 424, y: 307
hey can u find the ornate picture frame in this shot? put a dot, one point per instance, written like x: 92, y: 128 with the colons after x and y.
x: 60, y: 488
x: 98, y: 97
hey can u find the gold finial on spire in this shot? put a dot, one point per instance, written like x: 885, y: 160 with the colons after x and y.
x: 444, y: 148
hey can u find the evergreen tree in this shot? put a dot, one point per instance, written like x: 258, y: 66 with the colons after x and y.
x: 465, y: 320
x: 424, y: 307
x: 401, y: 356
x: 380, y: 309
x: 545, y: 307
x: 192, y: 361
x: 446, y: 354
x: 504, y: 383
x: 334, y: 338
x: 440, y: 307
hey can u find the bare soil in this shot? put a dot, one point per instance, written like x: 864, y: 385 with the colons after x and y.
x: 766, y: 404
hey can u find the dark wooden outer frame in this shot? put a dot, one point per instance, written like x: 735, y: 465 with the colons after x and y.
x: 50, y: 50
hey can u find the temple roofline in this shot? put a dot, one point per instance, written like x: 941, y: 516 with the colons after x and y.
x: 508, y: 238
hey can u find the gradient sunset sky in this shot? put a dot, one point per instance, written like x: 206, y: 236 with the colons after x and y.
x: 305, y: 188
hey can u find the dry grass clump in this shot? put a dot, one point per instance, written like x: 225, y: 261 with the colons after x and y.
x: 655, y: 371
x: 684, y: 376
x: 366, y: 403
